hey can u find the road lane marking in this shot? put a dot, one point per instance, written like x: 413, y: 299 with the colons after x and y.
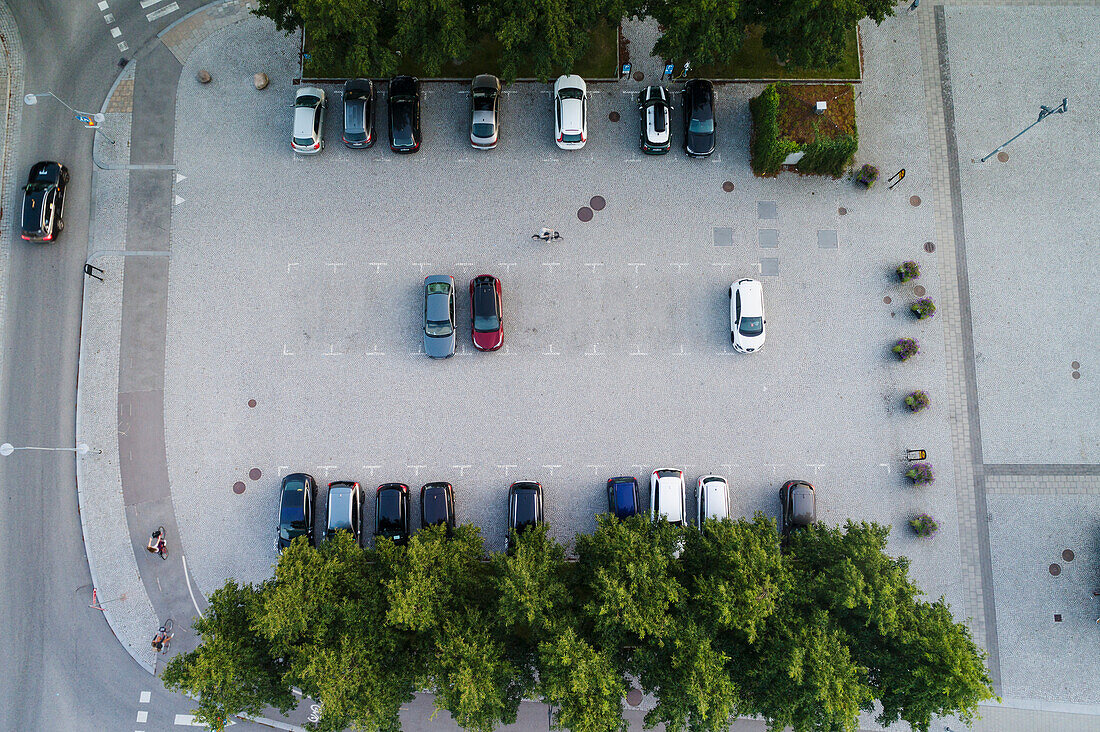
x: 145, y: 695
x: 166, y: 10
x: 551, y: 468
x: 123, y: 47
x: 115, y: 33
x: 187, y: 577
x: 142, y: 717
x: 506, y: 467
x: 103, y: 5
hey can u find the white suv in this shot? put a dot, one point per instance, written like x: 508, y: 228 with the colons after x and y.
x: 309, y: 121
x: 570, y: 112
x: 747, y: 315
x: 712, y: 495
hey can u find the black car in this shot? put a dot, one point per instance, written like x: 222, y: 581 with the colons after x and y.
x: 622, y: 496
x: 404, y: 114
x: 358, y: 113
x: 799, y: 504
x: 524, y: 509
x: 391, y: 516
x: 44, y: 201
x: 298, y: 493
x: 437, y: 505
x: 698, y: 105
x: 656, y: 128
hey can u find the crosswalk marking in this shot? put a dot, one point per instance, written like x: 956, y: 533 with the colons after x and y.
x: 146, y: 3
x: 166, y: 10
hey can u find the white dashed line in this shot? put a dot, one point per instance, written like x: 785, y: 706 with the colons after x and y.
x: 462, y: 469
x: 145, y: 695
x: 103, y: 5
x: 292, y: 264
x: 286, y: 352
x: 506, y: 468
x: 115, y: 33
x: 123, y: 47
x: 142, y: 717
x: 166, y: 10
x: 109, y: 18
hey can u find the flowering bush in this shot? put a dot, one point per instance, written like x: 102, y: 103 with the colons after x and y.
x: 924, y: 525
x: 908, y: 271
x: 867, y: 175
x: 906, y: 348
x: 920, y: 473
x: 923, y: 308
x: 917, y: 401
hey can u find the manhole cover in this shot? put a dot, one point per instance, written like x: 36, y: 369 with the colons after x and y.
x: 238, y: 487
x: 1057, y: 617
x: 1075, y: 365
x: 728, y: 186
x: 919, y: 290
x: 1055, y: 570
x: 1067, y: 554
x: 634, y: 697
x: 887, y: 300
x: 251, y: 403
x: 638, y: 76
x: 1003, y: 157
x: 597, y: 203
x: 914, y: 200
x: 584, y: 214
x: 254, y: 474
x: 842, y: 211
x: 614, y: 116
x: 929, y: 247
x: 1076, y: 374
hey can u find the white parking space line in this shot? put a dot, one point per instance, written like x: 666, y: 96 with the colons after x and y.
x: 166, y: 10
x: 551, y: 352
x: 335, y: 266
x: 639, y: 352
x: 507, y: 266
x: 678, y: 265
x: 815, y: 466
x: 292, y: 264
x: 507, y: 468
x: 682, y: 352
x: 462, y: 469
x: 593, y: 265
x: 286, y: 352
x: 332, y: 351
x: 422, y: 265
x: 372, y: 468
x: 885, y: 465
x: 595, y: 469
x: 328, y: 469
x: 551, y: 469
x: 551, y: 265
x: 635, y: 265
x: 416, y: 468
x: 595, y: 351
x: 378, y: 266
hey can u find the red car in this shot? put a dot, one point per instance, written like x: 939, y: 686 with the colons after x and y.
x: 488, y: 316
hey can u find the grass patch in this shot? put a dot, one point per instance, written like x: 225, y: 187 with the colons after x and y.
x: 599, y: 61
x: 753, y: 61
x: 799, y: 121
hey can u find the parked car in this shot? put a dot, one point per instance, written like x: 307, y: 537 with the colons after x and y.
x: 309, y: 121
x: 712, y: 496
x: 484, y: 111
x: 666, y: 500
x: 698, y: 104
x: 437, y: 505
x: 44, y: 201
x: 524, y: 509
x: 439, y: 316
x: 798, y: 500
x: 358, y: 113
x: 345, y: 508
x: 570, y: 112
x: 297, y: 495
x: 487, y: 315
x: 656, y: 117
x: 404, y: 114
x: 747, y: 315
x: 622, y: 496
x: 391, y: 516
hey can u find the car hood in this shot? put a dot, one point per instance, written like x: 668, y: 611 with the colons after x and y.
x: 439, y: 346
x: 700, y: 143
x: 488, y: 341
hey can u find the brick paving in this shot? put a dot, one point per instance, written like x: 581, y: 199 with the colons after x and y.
x: 182, y: 37
x: 122, y: 101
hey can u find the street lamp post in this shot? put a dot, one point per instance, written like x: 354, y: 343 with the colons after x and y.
x: 1044, y: 112
x: 81, y: 449
x: 85, y: 118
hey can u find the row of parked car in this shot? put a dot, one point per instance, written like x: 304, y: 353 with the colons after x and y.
x: 798, y: 502
x: 570, y: 115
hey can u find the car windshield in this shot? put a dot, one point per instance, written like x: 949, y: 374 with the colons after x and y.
x: 752, y: 326
x: 701, y: 126
x: 483, y: 99
x: 438, y: 288
x: 569, y: 93
x: 566, y: 137
x: 482, y: 129
x: 293, y: 512
x: 438, y: 328
x: 389, y: 511
x: 36, y: 187
x: 306, y: 100
x: 525, y: 509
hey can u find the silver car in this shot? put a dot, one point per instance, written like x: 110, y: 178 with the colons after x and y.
x: 712, y: 496
x: 345, y: 508
x: 484, y: 111
x: 439, y: 316
x: 309, y: 121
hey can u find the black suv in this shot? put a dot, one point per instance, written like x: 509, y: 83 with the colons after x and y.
x: 44, y: 201
x: 524, y: 509
x: 698, y: 108
x: 358, y: 113
x: 404, y: 114
x: 391, y: 517
x: 298, y: 491
x: 437, y: 505
x: 799, y: 503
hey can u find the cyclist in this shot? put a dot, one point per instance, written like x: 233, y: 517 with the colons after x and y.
x: 159, y: 640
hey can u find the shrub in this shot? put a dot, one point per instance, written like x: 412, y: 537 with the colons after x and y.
x: 923, y: 308
x: 825, y: 156
x: 917, y: 401
x: 920, y: 473
x: 908, y: 271
x: 867, y: 175
x: 924, y: 525
x: 768, y: 149
x: 906, y: 348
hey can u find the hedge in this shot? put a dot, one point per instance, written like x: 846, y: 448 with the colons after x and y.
x: 769, y: 150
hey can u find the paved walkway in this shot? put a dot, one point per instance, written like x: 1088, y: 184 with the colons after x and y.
x: 11, y: 94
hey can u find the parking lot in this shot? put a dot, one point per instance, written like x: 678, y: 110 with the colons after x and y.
x: 617, y: 357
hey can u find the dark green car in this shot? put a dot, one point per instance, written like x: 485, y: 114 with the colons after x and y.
x: 298, y: 491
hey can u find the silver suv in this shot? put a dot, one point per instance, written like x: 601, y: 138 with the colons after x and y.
x: 309, y: 121
x: 345, y: 508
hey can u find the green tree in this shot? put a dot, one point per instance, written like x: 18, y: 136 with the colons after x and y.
x: 233, y: 670
x: 352, y: 36
x: 283, y: 12
x: 813, y: 32
x: 699, y: 31
x: 539, y: 34
x: 582, y: 683
x: 532, y: 586
x: 431, y: 33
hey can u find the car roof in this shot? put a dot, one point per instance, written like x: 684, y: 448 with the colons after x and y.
x: 339, y: 506
x: 303, y: 122
x: 364, y: 86
x: 485, y: 81
x: 670, y: 497
x: 715, y: 492
x: 309, y: 91
x: 570, y: 81
x: 803, y: 504
x: 404, y: 85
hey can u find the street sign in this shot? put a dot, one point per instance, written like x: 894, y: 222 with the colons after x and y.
x: 626, y: 69
x: 306, y: 56
x: 669, y: 68
x: 85, y: 119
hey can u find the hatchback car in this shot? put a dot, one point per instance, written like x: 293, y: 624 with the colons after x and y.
x: 358, y: 113
x: 524, y: 509
x: 712, y: 496
x: 309, y: 121
x: 297, y: 494
x: 44, y: 201
x: 486, y: 313
x: 391, y: 516
x: 698, y: 104
x: 345, y: 508
x: 439, y: 316
x: 747, y: 315
x: 666, y: 496
x: 484, y: 111
x: 798, y: 500
x: 622, y: 496
x: 404, y: 114
x: 437, y: 505
x: 570, y: 112
x: 656, y: 116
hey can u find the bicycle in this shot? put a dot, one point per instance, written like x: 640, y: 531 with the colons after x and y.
x: 547, y: 235
x: 164, y: 637
x: 157, y: 543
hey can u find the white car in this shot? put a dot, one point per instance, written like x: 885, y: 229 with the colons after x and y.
x: 309, y: 121
x: 666, y: 499
x: 570, y: 112
x: 712, y: 495
x: 747, y: 315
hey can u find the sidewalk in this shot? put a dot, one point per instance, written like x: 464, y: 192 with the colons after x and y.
x: 11, y: 84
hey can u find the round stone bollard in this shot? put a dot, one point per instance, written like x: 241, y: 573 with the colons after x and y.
x: 260, y: 80
x: 203, y: 76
